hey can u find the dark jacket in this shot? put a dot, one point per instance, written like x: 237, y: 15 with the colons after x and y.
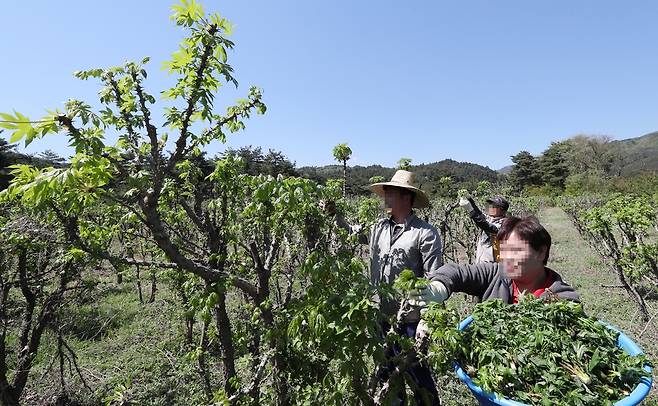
x: 486, y: 280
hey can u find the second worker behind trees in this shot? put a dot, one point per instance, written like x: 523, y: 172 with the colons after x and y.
x: 488, y: 248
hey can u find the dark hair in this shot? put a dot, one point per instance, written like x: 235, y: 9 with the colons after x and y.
x: 528, y: 229
x: 403, y: 192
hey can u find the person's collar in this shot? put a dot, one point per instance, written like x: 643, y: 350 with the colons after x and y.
x: 534, y: 286
x: 407, y: 220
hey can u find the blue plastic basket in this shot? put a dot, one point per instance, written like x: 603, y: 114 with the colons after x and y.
x: 623, y: 342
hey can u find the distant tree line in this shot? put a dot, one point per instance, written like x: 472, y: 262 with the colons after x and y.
x: 255, y: 161
x: 581, y: 164
x: 462, y: 175
x: 258, y: 163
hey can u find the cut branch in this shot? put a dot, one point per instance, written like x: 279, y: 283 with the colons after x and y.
x: 256, y: 380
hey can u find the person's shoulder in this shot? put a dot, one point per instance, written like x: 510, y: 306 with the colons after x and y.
x: 492, y: 268
x: 384, y: 221
x: 555, y: 276
x: 417, y: 222
x: 562, y: 288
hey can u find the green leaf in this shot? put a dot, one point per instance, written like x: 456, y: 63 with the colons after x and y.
x: 17, y: 136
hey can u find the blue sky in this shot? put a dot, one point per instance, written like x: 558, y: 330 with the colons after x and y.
x: 473, y: 81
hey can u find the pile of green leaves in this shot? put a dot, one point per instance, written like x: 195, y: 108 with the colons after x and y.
x: 536, y: 352
x: 408, y: 281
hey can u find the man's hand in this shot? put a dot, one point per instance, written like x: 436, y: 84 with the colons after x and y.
x: 465, y: 204
x: 434, y: 292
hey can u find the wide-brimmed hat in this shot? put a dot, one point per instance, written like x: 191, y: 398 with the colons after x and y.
x: 405, y: 180
x: 498, y: 201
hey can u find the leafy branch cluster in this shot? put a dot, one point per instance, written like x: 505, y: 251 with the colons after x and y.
x: 535, y: 351
x: 262, y: 277
x: 619, y: 228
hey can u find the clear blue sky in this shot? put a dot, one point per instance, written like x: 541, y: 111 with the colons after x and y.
x: 473, y: 81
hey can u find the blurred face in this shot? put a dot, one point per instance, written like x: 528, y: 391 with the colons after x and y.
x: 520, y: 261
x: 394, y: 201
x: 495, y: 211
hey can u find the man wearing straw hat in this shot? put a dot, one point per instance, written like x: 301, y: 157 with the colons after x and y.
x: 398, y: 242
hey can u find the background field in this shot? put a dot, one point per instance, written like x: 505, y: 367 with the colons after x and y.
x: 131, y: 353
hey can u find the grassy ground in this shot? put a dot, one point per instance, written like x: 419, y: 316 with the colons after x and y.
x: 135, y: 355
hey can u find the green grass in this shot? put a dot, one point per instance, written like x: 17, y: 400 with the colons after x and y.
x: 128, y: 352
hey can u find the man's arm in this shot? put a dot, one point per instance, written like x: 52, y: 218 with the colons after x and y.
x: 478, y: 217
x: 561, y: 289
x: 357, y: 229
x: 329, y: 207
x: 430, y: 251
x: 472, y: 279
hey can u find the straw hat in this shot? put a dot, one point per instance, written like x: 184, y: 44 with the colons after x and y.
x: 406, y: 180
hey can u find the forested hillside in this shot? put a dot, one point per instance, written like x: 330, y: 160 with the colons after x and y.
x: 462, y: 174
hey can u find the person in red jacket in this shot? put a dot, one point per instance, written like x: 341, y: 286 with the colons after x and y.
x: 524, y: 250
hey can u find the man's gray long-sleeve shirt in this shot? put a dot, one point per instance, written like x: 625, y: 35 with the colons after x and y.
x: 414, y: 245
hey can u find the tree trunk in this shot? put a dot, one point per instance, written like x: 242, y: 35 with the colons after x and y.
x: 279, y: 362
x: 344, y: 178
x: 226, y: 342
x: 189, y: 319
x: 633, y: 293
x: 203, y: 368
x: 139, y: 284
x: 189, y: 329
x: 275, y: 341
x: 254, y: 393
x: 8, y: 395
